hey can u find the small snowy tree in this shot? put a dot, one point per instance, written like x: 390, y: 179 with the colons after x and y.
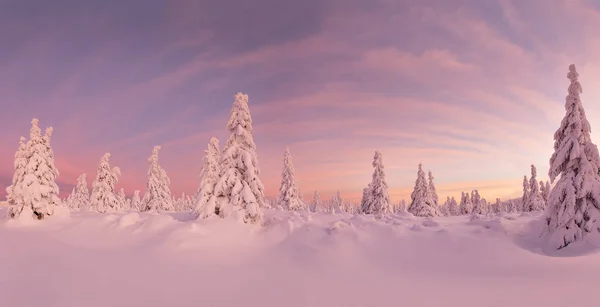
x: 205, y: 198
x: 377, y: 199
x: 432, y: 190
x: 497, y: 206
x: 535, y: 201
x: 316, y: 202
x: 158, y: 194
x: 124, y: 203
x: 136, y: 201
x: 336, y: 203
x: 39, y: 188
x: 445, y: 207
x: 14, y: 193
x: 476, y: 202
x: 465, y: 204
x: 421, y: 201
x: 453, y: 209
x: 104, y: 198
x: 525, y: 198
x: 239, y: 189
x: 574, y: 202
x: 289, y: 193
x: 81, y: 195
x: 402, y: 207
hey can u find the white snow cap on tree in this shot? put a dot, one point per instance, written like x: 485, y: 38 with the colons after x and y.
x: 453, y: 209
x: 136, y: 201
x: 465, y: 204
x: 289, y: 194
x: 209, y: 175
x: 376, y: 199
x: 80, y: 198
x: 239, y: 190
x: 574, y: 202
x: 316, y: 202
x: 38, y: 188
x: 14, y: 192
x: 536, y: 201
x: 103, y: 198
x: 432, y: 190
x: 421, y: 201
x: 525, y: 198
x: 158, y: 194
x: 124, y: 203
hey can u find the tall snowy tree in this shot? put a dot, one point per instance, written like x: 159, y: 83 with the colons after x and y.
x: 445, y: 207
x: 158, y: 194
x: 535, y: 201
x: 239, y: 190
x: 377, y: 199
x: 289, y: 193
x: 124, y: 203
x: 336, y: 203
x: 421, y: 201
x: 453, y: 208
x: 402, y: 207
x: 14, y: 193
x: 136, y: 201
x: 39, y: 188
x: 316, y: 202
x: 432, y: 190
x: 103, y: 198
x: 465, y: 204
x: 497, y: 206
x: 574, y: 202
x: 477, y: 205
x: 81, y: 195
x: 205, y: 198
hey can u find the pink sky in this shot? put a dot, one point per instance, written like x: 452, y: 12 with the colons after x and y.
x: 472, y: 89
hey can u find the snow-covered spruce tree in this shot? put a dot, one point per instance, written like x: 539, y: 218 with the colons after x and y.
x: 14, y: 192
x: 548, y: 189
x: 432, y: 190
x: 336, y: 203
x: 574, y: 202
x: 124, y: 203
x: 377, y: 199
x: 205, y: 205
x: 403, y: 207
x: 136, y: 201
x: 465, y: 204
x: 476, y: 202
x: 453, y: 209
x: 158, y: 194
x: 81, y: 195
x: 316, y: 202
x: 421, y: 202
x: 239, y: 190
x: 535, y: 201
x: 497, y: 206
x: 525, y: 197
x: 103, y: 198
x: 39, y: 188
x: 289, y: 193
x: 445, y: 207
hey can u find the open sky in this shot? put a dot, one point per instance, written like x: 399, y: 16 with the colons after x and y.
x: 473, y: 89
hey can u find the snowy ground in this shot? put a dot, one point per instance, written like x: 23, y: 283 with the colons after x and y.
x: 133, y: 259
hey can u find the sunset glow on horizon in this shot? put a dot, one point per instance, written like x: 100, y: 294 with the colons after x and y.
x: 472, y: 89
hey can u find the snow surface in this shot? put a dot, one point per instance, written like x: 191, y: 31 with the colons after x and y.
x: 296, y: 259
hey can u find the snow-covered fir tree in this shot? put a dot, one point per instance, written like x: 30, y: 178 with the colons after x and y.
x: 476, y: 202
x: 316, y: 205
x: 536, y: 201
x: 103, y: 198
x: 574, y: 202
x: 136, y: 201
x: 445, y: 207
x: 432, y: 190
x: 81, y: 195
x: 39, y: 188
x: 377, y: 198
x: 124, y: 203
x: 453, y: 209
x: 421, y: 202
x: 525, y: 198
x: 14, y: 192
x: 402, y: 206
x: 497, y: 206
x: 336, y: 203
x: 158, y: 194
x: 465, y: 204
x: 239, y: 190
x: 547, y: 189
x: 206, y: 201
x: 289, y: 193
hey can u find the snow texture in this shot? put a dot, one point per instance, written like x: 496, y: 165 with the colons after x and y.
x: 376, y: 199
x: 289, y: 193
x: 574, y: 202
x: 158, y: 194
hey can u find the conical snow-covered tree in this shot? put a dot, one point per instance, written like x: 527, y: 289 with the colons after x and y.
x: 103, y: 198
x: 205, y: 205
x: 336, y: 203
x: 39, y: 188
x: 525, y: 198
x: 465, y: 204
x: 445, y: 207
x: 81, y: 195
x: 432, y: 190
x: 136, y: 201
x: 421, y: 201
x: 574, y: 202
x: 289, y: 194
x: 497, y: 206
x: 544, y: 191
x: 316, y: 202
x: 239, y: 190
x: 402, y: 207
x: 377, y: 198
x: 158, y: 194
x: 453, y: 209
x: 14, y: 193
x: 510, y: 206
x: 124, y: 203
x: 536, y: 201
x: 477, y: 205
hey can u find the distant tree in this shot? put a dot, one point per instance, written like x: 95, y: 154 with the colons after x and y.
x: 497, y: 206
x: 535, y: 201
x: 158, y: 194
x: 289, y: 193
x: 14, y: 193
x: 465, y: 204
x: 476, y: 202
x: 206, y: 200
x: 136, y: 202
x: 432, y: 190
x: 377, y: 199
x: 453, y: 209
x: 104, y: 198
x: 124, y: 203
x: 525, y: 198
x: 445, y: 207
x: 421, y: 202
x: 81, y: 194
x: 316, y: 202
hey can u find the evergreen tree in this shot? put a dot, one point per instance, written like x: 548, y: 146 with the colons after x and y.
x: 497, y: 206
x: 205, y: 198
x: 574, y: 202
x: 104, y: 198
x: 376, y: 200
x: 432, y: 190
x: 289, y: 193
x: 476, y: 202
x: 316, y: 202
x: 123, y: 201
x: 453, y: 209
x: 81, y: 194
x: 421, y: 201
x: 445, y: 207
x: 465, y: 204
x: 136, y: 201
x: 403, y: 206
x: 158, y: 194
x: 535, y: 201
x: 14, y: 193
x: 39, y: 188
x: 525, y: 197
x: 239, y: 189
